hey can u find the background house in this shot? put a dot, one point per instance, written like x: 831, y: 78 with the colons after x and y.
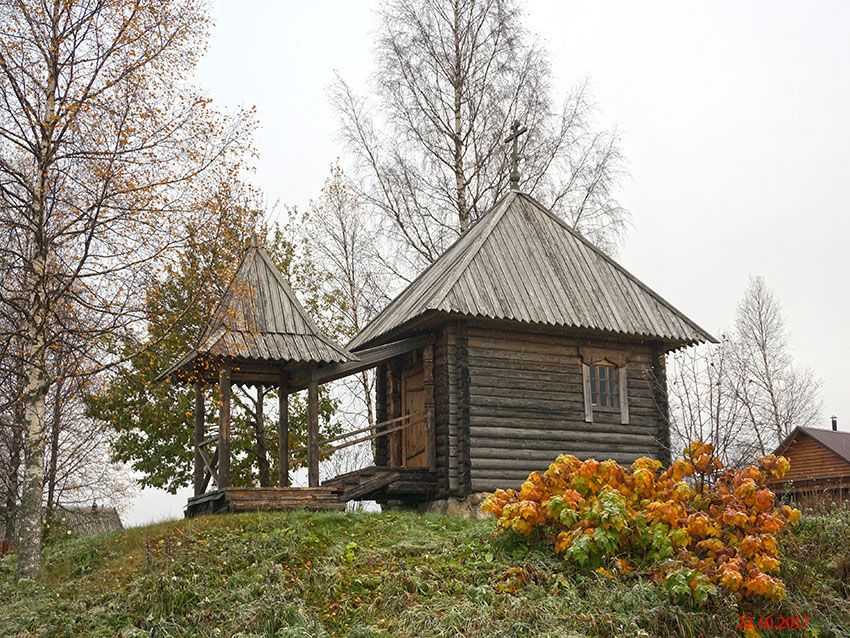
x: 820, y: 467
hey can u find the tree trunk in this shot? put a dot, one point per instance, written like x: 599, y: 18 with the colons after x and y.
x: 55, y: 427
x: 12, y: 484
x: 460, y: 179
x: 35, y: 378
x: 260, y: 436
x: 29, y: 546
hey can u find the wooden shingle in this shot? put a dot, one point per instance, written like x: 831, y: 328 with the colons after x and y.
x: 519, y: 262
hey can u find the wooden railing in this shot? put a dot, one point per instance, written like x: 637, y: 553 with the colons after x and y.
x: 390, y: 426
x: 372, y: 432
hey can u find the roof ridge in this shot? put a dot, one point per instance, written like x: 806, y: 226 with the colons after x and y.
x: 497, y: 213
x: 618, y: 266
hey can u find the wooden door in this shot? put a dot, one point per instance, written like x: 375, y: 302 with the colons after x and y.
x: 414, y: 448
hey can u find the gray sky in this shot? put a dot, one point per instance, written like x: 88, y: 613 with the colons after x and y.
x: 735, y: 118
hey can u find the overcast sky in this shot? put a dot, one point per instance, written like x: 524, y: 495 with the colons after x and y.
x: 735, y: 119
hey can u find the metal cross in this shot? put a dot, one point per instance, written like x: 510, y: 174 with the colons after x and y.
x: 513, y: 137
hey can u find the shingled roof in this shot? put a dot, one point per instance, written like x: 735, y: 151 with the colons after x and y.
x: 259, y: 318
x: 519, y: 262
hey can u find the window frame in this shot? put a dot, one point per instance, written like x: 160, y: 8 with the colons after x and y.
x: 620, y: 394
x: 613, y: 390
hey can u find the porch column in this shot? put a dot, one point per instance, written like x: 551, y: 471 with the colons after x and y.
x: 313, y: 432
x: 430, y: 421
x: 224, y: 427
x: 283, y: 432
x: 395, y: 442
x: 200, y: 470
x: 380, y: 446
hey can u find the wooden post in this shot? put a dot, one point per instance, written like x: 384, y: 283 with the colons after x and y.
x: 224, y: 427
x: 394, y: 385
x: 313, y: 432
x: 380, y: 447
x: 283, y: 432
x: 200, y: 470
x: 430, y: 422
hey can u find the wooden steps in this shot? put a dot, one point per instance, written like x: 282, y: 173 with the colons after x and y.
x: 254, y: 499
x: 382, y: 483
x: 370, y: 483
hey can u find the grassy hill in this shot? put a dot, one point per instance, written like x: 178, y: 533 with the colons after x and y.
x: 393, y: 574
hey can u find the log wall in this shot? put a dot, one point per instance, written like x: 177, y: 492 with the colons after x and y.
x: 811, y: 460
x: 526, y: 406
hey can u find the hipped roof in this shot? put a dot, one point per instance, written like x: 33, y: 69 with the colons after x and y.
x: 259, y: 318
x: 519, y: 262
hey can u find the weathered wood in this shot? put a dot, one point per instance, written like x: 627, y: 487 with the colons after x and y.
x: 224, y: 426
x: 539, y: 459
x: 557, y: 440
x: 200, y: 427
x: 366, y: 358
x: 283, y: 431
x: 463, y: 418
x: 588, y: 397
x: 313, y: 433
x: 624, y: 395
x: 394, y: 441
x: 379, y: 481
x: 430, y: 418
x: 250, y: 499
x: 379, y: 449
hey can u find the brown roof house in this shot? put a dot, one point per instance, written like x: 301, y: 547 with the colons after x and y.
x: 820, y: 466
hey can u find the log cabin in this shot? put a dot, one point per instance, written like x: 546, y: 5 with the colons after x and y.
x: 525, y: 341
x: 521, y: 342
x: 820, y: 467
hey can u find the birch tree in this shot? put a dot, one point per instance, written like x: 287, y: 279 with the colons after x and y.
x: 106, y: 154
x: 777, y: 394
x: 746, y: 394
x: 450, y: 78
x: 344, y: 244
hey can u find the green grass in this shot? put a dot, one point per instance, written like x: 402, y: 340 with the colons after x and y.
x: 366, y: 575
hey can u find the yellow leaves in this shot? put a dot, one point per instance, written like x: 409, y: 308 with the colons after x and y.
x: 775, y: 466
x: 710, y: 545
x: 767, y: 564
x: 790, y: 514
x: 533, y: 488
x: 565, y: 539
x: 700, y: 526
x: 602, y: 516
x: 653, y: 465
x: 734, y: 518
x: 749, y: 546
x: 730, y: 577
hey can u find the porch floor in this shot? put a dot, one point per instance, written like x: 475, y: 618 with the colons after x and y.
x: 253, y: 499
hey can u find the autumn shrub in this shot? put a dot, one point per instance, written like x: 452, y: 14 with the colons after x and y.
x: 693, y: 527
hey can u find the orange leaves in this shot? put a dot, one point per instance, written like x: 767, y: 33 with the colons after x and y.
x: 776, y: 466
x: 790, y: 514
x: 758, y: 583
x: 718, y: 525
x: 730, y: 577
